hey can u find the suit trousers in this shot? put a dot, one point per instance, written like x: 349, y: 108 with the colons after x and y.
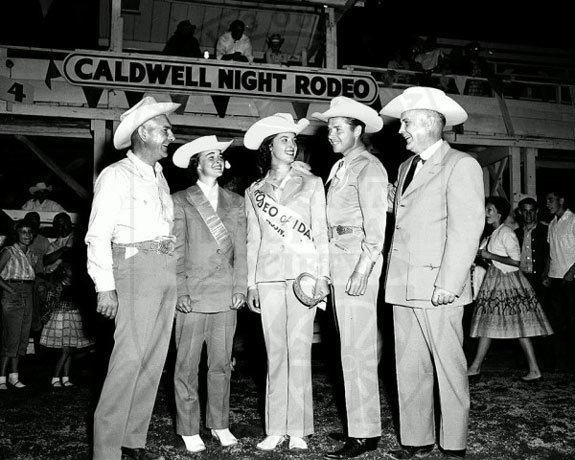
x: 288, y: 334
x: 357, y: 323
x: 191, y: 331
x: 146, y: 288
x: 428, y: 345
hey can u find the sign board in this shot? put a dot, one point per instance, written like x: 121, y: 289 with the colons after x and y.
x: 190, y: 75
x: 16, y: 91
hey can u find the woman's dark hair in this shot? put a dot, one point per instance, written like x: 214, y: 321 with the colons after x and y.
x: 501, y: 204
x: 193, y: 168
x: 264, y: 156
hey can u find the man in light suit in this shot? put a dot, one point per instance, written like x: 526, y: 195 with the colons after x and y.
x: 356, y: 214
x: 439, y: 211
x: 211, y: 269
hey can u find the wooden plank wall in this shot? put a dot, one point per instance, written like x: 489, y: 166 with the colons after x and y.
x: 158, y: 19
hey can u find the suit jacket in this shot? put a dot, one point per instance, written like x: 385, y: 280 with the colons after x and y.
x: 203, y: 271
x: 273, y: 257
x: 439, y: 219
x: 539, y: 246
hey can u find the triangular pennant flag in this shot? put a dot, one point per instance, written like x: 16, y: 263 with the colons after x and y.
x: 221, y: 104
x: 300, y: 109
x: 460, y: 82
x: 180, y: 99
x: 51, y: 73
x: 92, y: 96
x: 45, y: 6
x: 133, y: 97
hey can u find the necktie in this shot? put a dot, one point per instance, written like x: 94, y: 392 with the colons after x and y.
x: 335, y: 170
x: 411, y: 172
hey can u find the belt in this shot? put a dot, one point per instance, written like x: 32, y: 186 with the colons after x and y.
x: 342, y: 230
x: 19, y: 281
x: 158, y: 246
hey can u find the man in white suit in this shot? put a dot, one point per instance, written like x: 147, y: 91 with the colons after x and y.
x: 439, y: 211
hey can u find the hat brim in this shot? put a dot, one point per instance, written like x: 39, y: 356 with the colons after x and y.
x: 183, y: 154
x: 373, y: 123
x: 303, y: 289
x: 454, y: 114
x: 134, y: 120
x: 260, y: 130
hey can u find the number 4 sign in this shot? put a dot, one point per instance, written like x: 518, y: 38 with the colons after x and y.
x: 15, y: 91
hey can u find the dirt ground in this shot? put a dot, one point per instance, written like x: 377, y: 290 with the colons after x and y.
x: 510, y: 420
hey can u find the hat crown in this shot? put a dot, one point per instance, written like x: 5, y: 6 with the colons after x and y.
x: 145, y: 101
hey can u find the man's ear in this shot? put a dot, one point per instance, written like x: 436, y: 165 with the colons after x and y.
x: 142, y: 132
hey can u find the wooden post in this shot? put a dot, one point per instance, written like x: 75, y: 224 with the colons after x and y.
x: 330, y: 40
x: 515, y: 188
x: 529, y: 171
x: 116, y: 27
x: 100, y: 138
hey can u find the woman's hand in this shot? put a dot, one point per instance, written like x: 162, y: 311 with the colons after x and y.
x: 321, y: 289
x: 484, y: 254
x: 254, y: 300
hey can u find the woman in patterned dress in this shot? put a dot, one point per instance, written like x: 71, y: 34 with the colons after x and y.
x: 65, y: 328
x: 506, y: 305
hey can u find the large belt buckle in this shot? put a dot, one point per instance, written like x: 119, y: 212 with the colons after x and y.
x: 343, y: 229
x: 166, y: 247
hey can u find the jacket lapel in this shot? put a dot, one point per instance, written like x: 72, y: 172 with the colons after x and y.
x: 431, y: 168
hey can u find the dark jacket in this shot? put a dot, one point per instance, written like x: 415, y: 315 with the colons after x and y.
x: 539, y: 246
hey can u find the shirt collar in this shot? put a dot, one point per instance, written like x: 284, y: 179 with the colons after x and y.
x: 207, y: 189
x: 429, y: 151
x: 142, y: 167
x: 352, y: 155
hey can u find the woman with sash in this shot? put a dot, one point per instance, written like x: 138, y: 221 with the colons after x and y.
x: 210, y: 229
x: 287, y: 236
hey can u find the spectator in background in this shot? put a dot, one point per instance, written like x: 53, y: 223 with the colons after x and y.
x: 17, y: 273
x: 39, y: 201
x: 234, y: 45
x: 60, y: 248
x: 474, y: 65
x: 274, y: 54
x: 559, y: 277
x: 183, y: 42
x: 398, y: 62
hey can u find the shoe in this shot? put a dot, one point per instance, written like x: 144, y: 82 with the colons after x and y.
x: 66, y: 382
x: 17, y: 384
x: 410, y: 452
x: 3, y: 386
x: 453, y: 454
x: 225, y: 437
x: 297, y: 443
x: 354, y: 447
x: 139, y: 454
x: 271, y: 442
x: 194, y: 443
x: 57, y: 384
x: 535, y: 380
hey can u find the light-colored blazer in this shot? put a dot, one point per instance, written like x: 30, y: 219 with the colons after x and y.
x: 273, y: 257
x: 203, y: 271
x: 439, y: 220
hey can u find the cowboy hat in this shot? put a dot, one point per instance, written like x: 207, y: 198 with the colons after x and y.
x: 303, y: 289
x: 136, y: 116
x: 421, y: 97
x: 40, y: 186
x: 274, y: 124
x: 342, y: 106
x: 183, y: 154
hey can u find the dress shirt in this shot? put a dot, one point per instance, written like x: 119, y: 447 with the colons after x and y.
x: 427, y: 154
x: 561, y: 238
x: 227, y: 45
x: 20, y: 265
x: 132, y: 203
x: 526, y: 265
x: 503, y: 242
x: 211, y: 192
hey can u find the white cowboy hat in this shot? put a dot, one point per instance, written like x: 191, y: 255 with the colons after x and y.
x: 342, y: 106
x: 274, y: 124
x: 183, y: 154
x: 421, y: 97
x: 40, y: 186
x: 137, y: 115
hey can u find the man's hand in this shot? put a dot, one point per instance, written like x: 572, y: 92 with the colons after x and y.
x: 107, y: 304
x: 238, y: 301
x: 184, y: 304
x: 442, y: 297
x: 357, y: 284
x: 254, y: 300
